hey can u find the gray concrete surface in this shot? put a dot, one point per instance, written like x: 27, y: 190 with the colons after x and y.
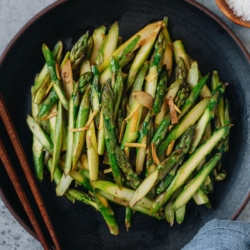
x: 13, y: 15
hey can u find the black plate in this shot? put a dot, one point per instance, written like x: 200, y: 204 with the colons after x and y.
x: 207, y: 39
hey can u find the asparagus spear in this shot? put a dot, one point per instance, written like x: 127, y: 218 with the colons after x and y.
x: 44, y: 73
x: 128, y: 218
x: 78, y: 51
x: 179, y: 52
x: 206, y: 117
x: 48, y: 103
x: 93, y: 158
x: 37, y: 148
x: 143, y: 138
x: 168, y: 53
x: 57, y: 140
x: 140, y: 58
x: 123, y: 59
x: 52, y: 69
x: 73, y: 106
x: 108, y: 45
x: 79, y: 137
x: 160, y: 92
x: 38, y: 132
x: 107, y: 104
x: 98, y: 37
x: 137, y: 208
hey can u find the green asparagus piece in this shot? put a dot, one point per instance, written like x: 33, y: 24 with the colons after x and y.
x: 168, y: 179
x: 47, y: 104
x: 128, y: 218
x: 180, y: 214
x: 155, y: 68
x: 143, y: 138
x: 138, y: 83
x: 122, y: 193
x: 98, y: 37
x: 84, y: 81
x: 81, y: 196
x: 193, y: 96
x: 137, y: 207
x: 73, y: 106
x: 37, y: 148
x: 79, y: 137
x: 38, y: 132
x: 206, y: 117
x: 57, y: 140
x: 57, y: 177
x: 179, y: 52
x: 79, y: 50
x: 90, y: 47
x: 200, y: 197
x: 95, y: 94
x: 160, y: 92
x: 168, y: 53
x: 108, y: 214
x: 93, y: 157
x: 108, y: 109
x: 140, y: 58
x: 109, y: 44
x: 42, y: 76
x: 123, y: 59
x: 52, y: 69
x: 41, y: 92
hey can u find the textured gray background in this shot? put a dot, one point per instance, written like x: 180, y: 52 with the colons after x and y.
x: 13, y: 15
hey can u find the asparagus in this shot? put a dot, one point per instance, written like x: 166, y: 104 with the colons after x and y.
x: 73, y: 106
x: 93, y: 158
x: 168, y: 53
x: 48, y: 103
x: 140, y: 58
x: 57, y: 140
x: 107, y: 104
x: 79, y: 137
x: 52, y: 69
x: 41, y: 136
x: 128, y: 218
x: 108, y: 45
x: 160, y: 92
x: 98, y: 37
x: 44, y: 73
x: 206, y: 117
x: 37, y: 149
x: 78, y: 51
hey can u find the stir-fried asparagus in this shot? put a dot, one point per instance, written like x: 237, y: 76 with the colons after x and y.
x: 122, y: 124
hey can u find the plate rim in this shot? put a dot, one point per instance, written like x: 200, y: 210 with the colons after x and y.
x: 8, y: 48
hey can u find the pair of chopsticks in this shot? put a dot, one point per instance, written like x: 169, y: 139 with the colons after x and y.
x: 5, y: 116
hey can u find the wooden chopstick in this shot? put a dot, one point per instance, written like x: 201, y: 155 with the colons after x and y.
x: 21, y: 194
x: 26, y: 169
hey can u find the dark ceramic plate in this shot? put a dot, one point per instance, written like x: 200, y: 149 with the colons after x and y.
x: 206, y: 38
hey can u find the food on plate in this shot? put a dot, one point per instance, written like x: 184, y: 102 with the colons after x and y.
x: 130, y: 122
